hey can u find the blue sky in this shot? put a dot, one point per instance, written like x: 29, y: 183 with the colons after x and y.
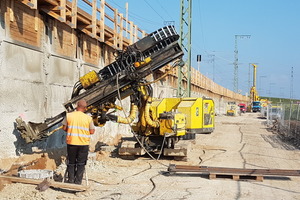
x: 274, y: 44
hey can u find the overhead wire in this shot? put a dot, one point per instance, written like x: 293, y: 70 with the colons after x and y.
x: 201, y: 24
x: 135, y: 16
x: 154, y: 10
x: 165, y: 10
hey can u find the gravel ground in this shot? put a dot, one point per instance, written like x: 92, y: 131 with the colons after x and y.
x: 237, y: 142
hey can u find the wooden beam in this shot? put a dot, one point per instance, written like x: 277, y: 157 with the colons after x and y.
x: 51, y: 183
x: 74, y: 14
x: 32, y: 4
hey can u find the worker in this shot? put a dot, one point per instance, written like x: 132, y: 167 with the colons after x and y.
x: 79, y: 127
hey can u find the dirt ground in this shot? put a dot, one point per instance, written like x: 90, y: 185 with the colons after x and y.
x: 237, y: 142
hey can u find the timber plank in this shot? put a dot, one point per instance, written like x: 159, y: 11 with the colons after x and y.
x: 51, y: 183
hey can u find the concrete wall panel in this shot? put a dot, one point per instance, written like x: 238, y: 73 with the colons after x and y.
x: 21, y: 63
x: 62, y: 71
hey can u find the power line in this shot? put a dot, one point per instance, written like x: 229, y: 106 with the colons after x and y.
x: 154, y: 10
x: 201, y: 24
x: 134, y: 16
x: 165, y: 10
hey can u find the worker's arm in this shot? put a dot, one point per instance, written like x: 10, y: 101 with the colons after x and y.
x: 65, y: 128
x: 92, y: 128
x: 64, y: 124
x: 92, y: 131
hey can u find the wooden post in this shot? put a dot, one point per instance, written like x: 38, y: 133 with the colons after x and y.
x: 121, y: 32
x: 94, y: 18
x: 62, y: 10
x: 36, y: 20
x: 116, y: 28
x: 98, y: 52
x: 131, y: 32
x: 143, y: 33
x: 74, y: 14
x: 102, y: 17
x: 135, y: 28
x: 55, y: 29
x: 72, y: 37
x: 11, y: 12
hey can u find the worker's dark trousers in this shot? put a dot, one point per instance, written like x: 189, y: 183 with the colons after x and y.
x: 77, y: 157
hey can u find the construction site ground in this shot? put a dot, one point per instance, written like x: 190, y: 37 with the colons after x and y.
x: 237, y: 142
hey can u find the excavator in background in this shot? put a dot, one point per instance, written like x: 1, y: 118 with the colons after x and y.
x: 159, y: 125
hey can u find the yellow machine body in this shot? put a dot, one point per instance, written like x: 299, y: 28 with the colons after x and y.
x: 164, y: 111
x: 89, y: 79
x: 200, y: 114
x: 172, y: 124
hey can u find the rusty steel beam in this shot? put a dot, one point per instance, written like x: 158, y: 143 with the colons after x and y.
x: 233, y: 171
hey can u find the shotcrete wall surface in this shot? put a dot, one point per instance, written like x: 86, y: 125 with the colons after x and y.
x: 34, y: 85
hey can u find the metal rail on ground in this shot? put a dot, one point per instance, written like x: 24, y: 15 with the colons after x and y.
x: 236, y: 173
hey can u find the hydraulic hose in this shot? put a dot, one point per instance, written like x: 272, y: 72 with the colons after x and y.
x: 149, y: 121
x: 131, y: 116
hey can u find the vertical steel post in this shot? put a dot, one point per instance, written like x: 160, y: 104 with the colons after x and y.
x: 236, y: 62
x: 296, y: 131
x: 185, y: 41
x: 290, y: 116
x: 235, y: 72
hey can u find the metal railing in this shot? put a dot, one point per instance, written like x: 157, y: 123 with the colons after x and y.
x: 284, y: 119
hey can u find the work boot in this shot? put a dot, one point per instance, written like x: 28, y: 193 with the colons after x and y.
x: 71, y: 173
x: 79, y: 174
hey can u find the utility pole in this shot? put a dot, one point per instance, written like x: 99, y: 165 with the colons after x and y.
x: 292, y: 85
x: 236, y: 64
x: 185, y: 41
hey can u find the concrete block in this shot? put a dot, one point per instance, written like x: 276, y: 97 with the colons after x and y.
x: 35, y: 174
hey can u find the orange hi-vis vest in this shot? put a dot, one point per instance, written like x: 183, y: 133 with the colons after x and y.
x: 78, y: 132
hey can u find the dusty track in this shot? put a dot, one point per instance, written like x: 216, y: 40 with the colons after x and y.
x: 238, y: 142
